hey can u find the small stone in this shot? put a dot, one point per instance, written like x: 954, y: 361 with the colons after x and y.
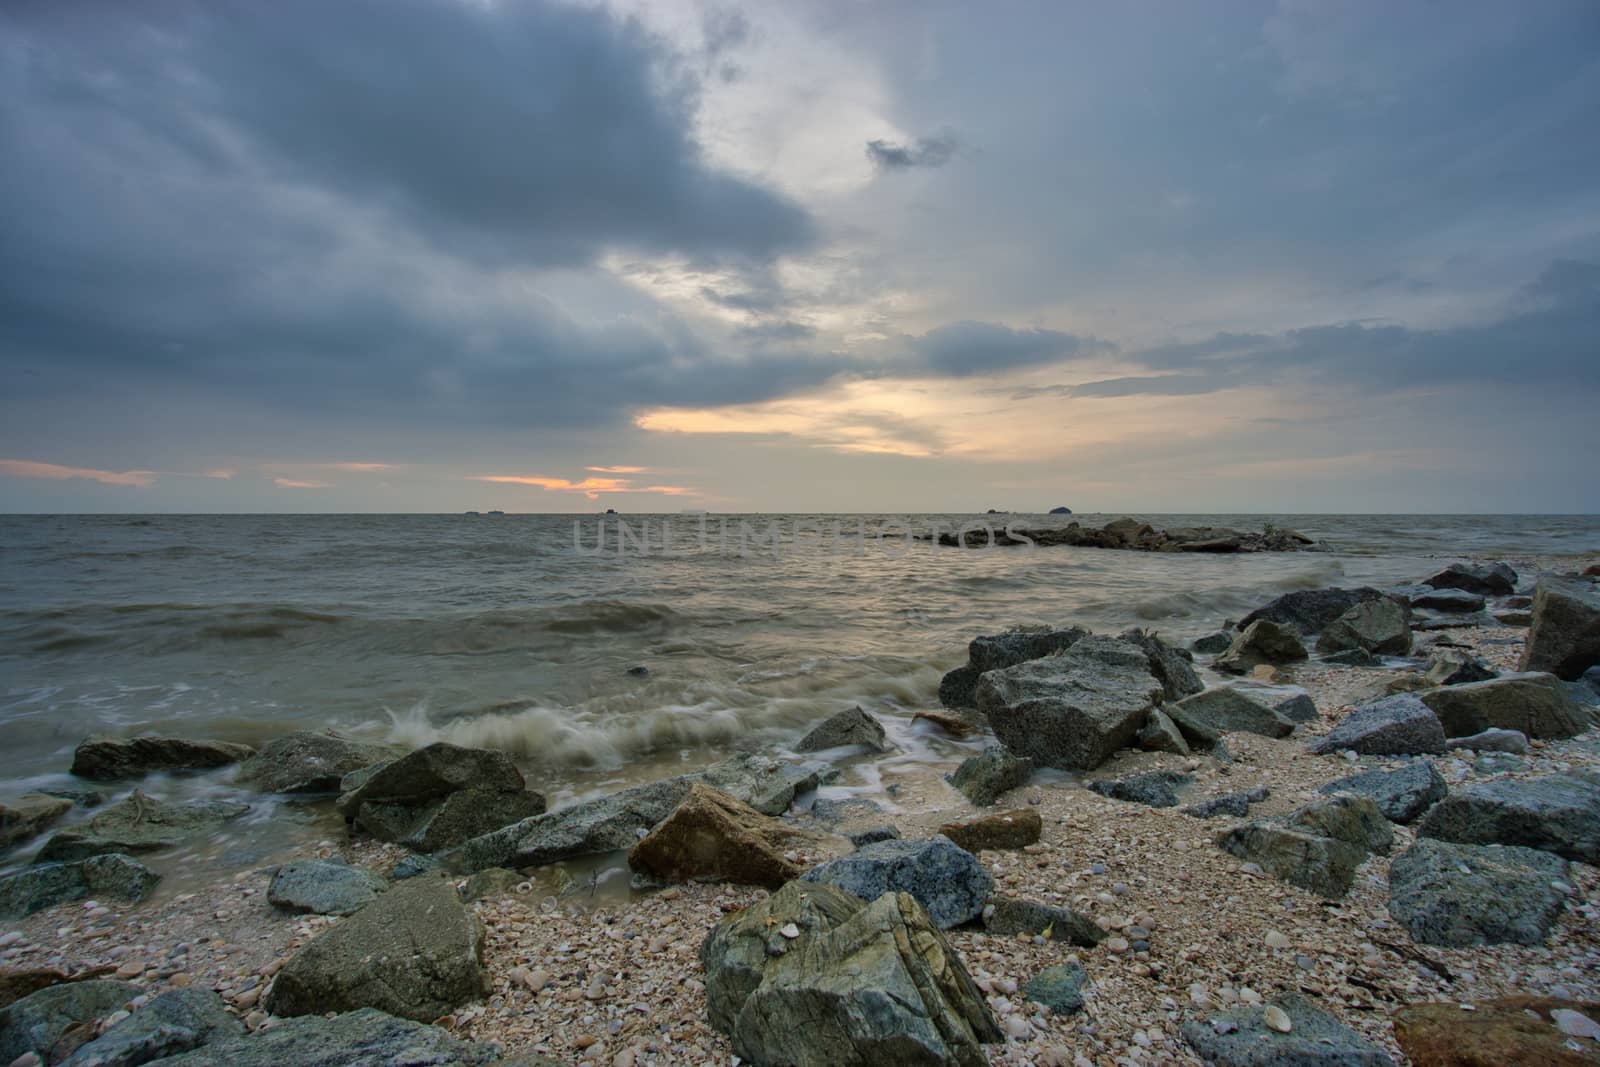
x: 790, y: 931
x: 1118, y: 945
x: 1276, y: 940
x: 1575, y: 1023
x: 132, y: 969
x: 1276, y: 1019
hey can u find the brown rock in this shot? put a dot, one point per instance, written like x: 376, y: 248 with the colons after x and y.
x: 28, y: 815
x: 1002, y: 829
x: 712, y: 837
x: 1511, y: 1030
x: 951, y: 723
x: 109, y: 759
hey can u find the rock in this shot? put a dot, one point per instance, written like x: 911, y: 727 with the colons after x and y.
x: 1161, y: 734
x: 40, y: 1023
x: 1460, y: 895
x: 1455, y: 601
x: 438, y: 796
x: 1298, y: 708
x: 955, y: 723
x: 1495, y: 579
x: 492, y: 882
x: 1008, y: 916
x: 1309, y: 610
x: 1451, y: 666
x: 984, y: 777
x: 140, y: 824
x: 1003, y: 829
x: 1170, y: 666
x: 309, y: 762
x: 997, y: 651
x: 1345, y: 817
x: 324, y: 888
x: 1401, y: 795
x: 1354, y: 657
x: 873, y: 834
x: 1234, y: 804
x: 864, y: 985
x: 172, y: 1023
x: 834, y: 811
x: 1059, y: 988
x: 1241, y: 1037
x: 1564, y: 636
x: 1490, y: 1033
x: 956, y: 688
x: 364, y: 1038
x: 1073, y: 710
x: 944, y: 878
x: 1559, y: 813
x: 1061, y: 511
x: 19, y: 982
x: 1492, y: 740
x: 1324, y: 865
x: 850, y: 727
x: 48, y: 884
x: 28, y: 815
x: 1514, y: 618
x: 1212, y: 643
x: 1156, y: 789
x: 766, y: 784
x: 413, y: 865
x: 1262, y: 642
x: 1536, y: 704
x: 1377, y: 626
x: 1400, y: 725
x: 110, y: 759
x: 1225, y: 710
x: 711, y: 837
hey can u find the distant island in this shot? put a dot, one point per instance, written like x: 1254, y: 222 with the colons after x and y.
x: 1061, y: 511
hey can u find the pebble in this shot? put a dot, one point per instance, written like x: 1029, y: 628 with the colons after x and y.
x: 1017, y: 1028
x: 1276, y: 1019
x: 9, y: 938
x: 790, y: 930
x: 1117, y: 945
x: 132, y: 969
x: 1575, y: 1023
x: 1276, y: 940
x: 28, y: 1059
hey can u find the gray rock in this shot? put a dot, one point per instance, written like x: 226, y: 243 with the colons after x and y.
x: 175, y: 1022
x: 1234, y: 804
x: 364, y: 1038
x: 957, y: 686
x: 947, y: 880
x: 864, y: 985
x: 1008, y: 916
x: 1263, y: 641
x: 413, y: 865
x: 1401, y: 795
x: 873, y: 834
x: 983, y: 778
x: 110, y: 759
x: 438, y: 796
x: 1381, y: 627
x: 1452, y: 666
x: 833, y: 811
x: 1461, y: 895
x: 1495, y: 579
x: 415, y: 952
x: 1400, y: 725
x: 1161, y: 734
x: 1156, y: 789
x: 1241, y: 1038
x: 1170, y: 666
x: 1498, y: 763
x: 1059, y: 988
x: 1492, y: 740
x: 1309, y: 610
x: 324, y: 888
x: 1536, y: 704
x: 1073, y: 710
x: 1353, y: 657
x: 1298, y: 708
x: 997, y: 651
x: 766, y: 784
x: 139, y: 824
x: 45, y: 885
x: 309, y: 762
x: 1228, y: 710
x: 1212, y: 643
x: 1345, y: 817
x: 38, y: 1022
x: 1559, y: 813
x: 852, y: 726
x: 1457, y: 601
x: 1324, y: 865
x: 28, y: 815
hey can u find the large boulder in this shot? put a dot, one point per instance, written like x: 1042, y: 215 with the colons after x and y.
x: 110, y: 759
x: 711, y: 837
x: 1172, y: 667
x: 1536, y: 704
x: 1324, y: 865
x: 309, y: 762
x: 1008, y: 916
x: 984, y: 777
x: 416, y: 952
x: 324, y: 888
x: 1559, y: 813
x: 1241, y: 1037
x: 1377, y: 626
x: 1401, y: 794
x: 1493, y: 1033
x: 1348, y: 818
x: 175, y: 1022
x: 1073, y: 710
x: 44, y: 1023
x: 1564, y: 637
x: 944, y: 878
x: 858, y: 985
x: 28, y: 815
x: 1452, y: 666
x: 996, y: 651
x: 1226, y: 710
x: 45, y: 885
x: 140, y: 824
x: 1018, y: 828
x: 1494, y: 579
x: 1400, y: 725
x: 1309, y: 610
x: 365, y: 1038
x: 1462, y: 895
x: 1262, y: 642
x: 438, y: 796
x: 853, y: 726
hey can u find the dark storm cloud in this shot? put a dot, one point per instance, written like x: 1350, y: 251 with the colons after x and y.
x: 923, y: 152
x: 963, y: 349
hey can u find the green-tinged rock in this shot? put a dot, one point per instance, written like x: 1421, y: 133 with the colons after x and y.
x: 994, y: 771
x: 1377, y: 626
x: 1400, y: 725
x: 1263, y: 641
x: 1156, y: 789
x: 943, y: 878
x: 173, y: 1023
x: 309, y: 762
x: 1564, y: 631
x: 1059, y: 988
x: 364, y: 1038
x: 1241, y: 1038
x: 140, y: 824
x: 1559, y: 813
x: 995, y: 651
x: 1353, y: 819
x: 1535, y: 704
x: 438, y: 796
x: 38, y: 1023
x: 324, y: 888
x: 853, y: 726
x: 1007, y: 916
x: 1462, y: 895
x: 1401, y: 794
x: 1324, y: 865
x: 110, y: 759
x: 1225, y: 711
x: 48, y: 884
x: 28, y: 815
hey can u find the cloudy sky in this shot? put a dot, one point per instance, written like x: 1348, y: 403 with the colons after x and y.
x: 397, y: 255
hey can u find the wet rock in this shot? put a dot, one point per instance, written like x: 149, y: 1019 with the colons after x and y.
x: 944, y: 878
x: 1492, y: 740
x: 48, y: 884
x: 1400, y: 725
x: 1534, y: 703
x: 1059, y: 988
x: 1354, y: 657
x: 1156, y: 789
x: 1495, y: 579
x: 1460, y: 895
x: 711, y: 837
x: 1452, y: 666
x: 1298, y: 708
x: 873, y: 834
x: 833, y: 811
x: 863, y: 985
x: 1455, y: 601
x: 354, y: 1039
x: 1008, y: 916
x: 38, y: 1023
x: 605, y: 824
x: 324, y: 888
x: 1212, y: 643
x: 1262, y: 642
x: 1324, y: 865
x: 1558, y: 813
x: 1492, y: 1033
x: 415, y: 952
x: 850, y: 727
x: 174, y: 1022
x: 28, y: 815
x: 1401, y: 795
x: 996, y: 651
x: 1241, y: 1038
x: 438, y: 796
x: 309, y: 762
x: 1228, y: 710
x: 1171, y: 667
x: 19, y: 982
x: 1344, y: 817
x: 1564, y: 636
x: 413, y: 865
x: 1234, y: 804
x: 1514, y: 618
x: 1309, y: 610
x: 766, y: 784
x: 1002, y: 829
x: 1161, y: 734
x: 110, y: 759
x: 1381, y: 627
x: 140, y: 824
x: 1073, y: 710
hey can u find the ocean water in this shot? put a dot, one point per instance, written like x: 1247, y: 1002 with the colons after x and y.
x: 514, y: 632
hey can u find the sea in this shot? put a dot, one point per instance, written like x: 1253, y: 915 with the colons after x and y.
x: 600, y: 651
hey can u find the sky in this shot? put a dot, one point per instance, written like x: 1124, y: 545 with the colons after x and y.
x: 396, y: 255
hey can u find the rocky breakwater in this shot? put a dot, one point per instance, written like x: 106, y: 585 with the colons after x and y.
x: 1135, y: 536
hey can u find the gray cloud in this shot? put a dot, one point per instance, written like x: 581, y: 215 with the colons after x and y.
x: 962, y: 349
x: 923, y: 152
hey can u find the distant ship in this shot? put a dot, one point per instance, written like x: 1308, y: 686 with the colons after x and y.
x: 611, y: 511
x: 474, y: 513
